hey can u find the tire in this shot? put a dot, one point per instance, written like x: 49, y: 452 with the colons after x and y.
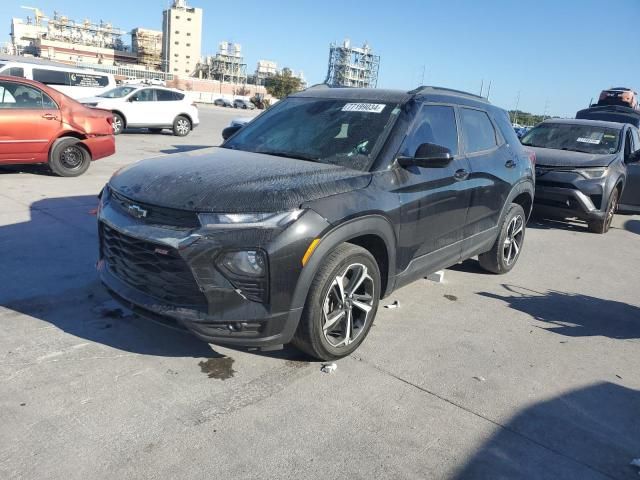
x: 181, y: 126
x: 351, y: 263
x: 602, y: 225
x: 118, y: 124
x: 68, y: 157
x: 155, y: 130
x: 506, y: 250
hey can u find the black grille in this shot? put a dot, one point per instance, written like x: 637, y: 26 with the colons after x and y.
x: 154, y: 269
x: 157, y: 215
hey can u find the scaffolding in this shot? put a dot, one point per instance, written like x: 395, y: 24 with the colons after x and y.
x: 226, y: 66
x: 147, y: 44
x: 352, y: 66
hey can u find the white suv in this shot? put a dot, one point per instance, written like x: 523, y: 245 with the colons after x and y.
x: 141, y: 106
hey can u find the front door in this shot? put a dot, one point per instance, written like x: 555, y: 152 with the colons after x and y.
x: 433, y: 200
x: 29, y: 119
x: 630, y: 200
x: 142, y: 109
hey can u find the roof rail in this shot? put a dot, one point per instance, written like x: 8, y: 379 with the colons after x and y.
x: 429, y: 88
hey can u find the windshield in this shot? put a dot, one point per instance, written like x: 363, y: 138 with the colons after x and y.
x: 340, y: 132
x: 117, y: 92
x: 577, y: 138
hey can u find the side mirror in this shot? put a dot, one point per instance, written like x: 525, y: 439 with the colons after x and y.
x: 133, y: 99
x: 230, y: 131
x: 428, y: 155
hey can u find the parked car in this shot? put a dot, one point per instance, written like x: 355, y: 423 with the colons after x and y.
x: 611, y: 113
x: 232, y: 128
x: 619, y: 96
x: 222, y: 102
x: 242, y: 103
x: 310, y: 214
x: 155, y: 108
x: 74, y: 82
x: 41, y: 125
x: 582, y: 169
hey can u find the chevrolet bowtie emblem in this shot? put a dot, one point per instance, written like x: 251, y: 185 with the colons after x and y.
x: 136, y: 211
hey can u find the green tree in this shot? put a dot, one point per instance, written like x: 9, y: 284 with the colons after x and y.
x: 282, y: 84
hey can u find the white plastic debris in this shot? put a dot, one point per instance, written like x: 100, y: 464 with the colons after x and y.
x: 395, y: 304
x: 329, y: 368
x: 437, y: 277
x: 480, y: 378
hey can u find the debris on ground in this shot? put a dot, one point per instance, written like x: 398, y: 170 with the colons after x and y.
x: 453, y: 298
x: 329, y: 368
x: 395, y: 304
x: 437, y: 277
x: 480, y: 379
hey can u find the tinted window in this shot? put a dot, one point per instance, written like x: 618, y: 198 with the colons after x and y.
x: 88, y: 80
x: 478, y: 130
x: 434, y: 124
x: 504, y: 125
x: 636, y: 138
x: 14, y: 72
x: 166, y: 96
x: 50, y: 77
x: 145, y: 95
x: 15, y: 95
x: 574, y: 137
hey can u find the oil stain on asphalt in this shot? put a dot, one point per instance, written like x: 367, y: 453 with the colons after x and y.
x: 220, y: 368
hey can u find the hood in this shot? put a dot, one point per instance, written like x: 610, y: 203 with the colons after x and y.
x: 564, y: 158
x: 232, y: 181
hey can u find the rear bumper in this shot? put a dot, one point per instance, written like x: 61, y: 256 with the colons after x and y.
x: 101, y: 147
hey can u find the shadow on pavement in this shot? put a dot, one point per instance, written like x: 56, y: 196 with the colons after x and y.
x: 590, y: 432
x: 632, y: 226
x: 574, y: 314
x: 34, y: 169
x: 184, y: 148
x: 542, y: 223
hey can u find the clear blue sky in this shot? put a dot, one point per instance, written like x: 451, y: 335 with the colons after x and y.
x: 558, y: 51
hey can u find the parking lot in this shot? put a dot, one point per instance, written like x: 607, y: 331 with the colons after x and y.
x: 481, y: 376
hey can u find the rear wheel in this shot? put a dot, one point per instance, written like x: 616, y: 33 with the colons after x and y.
x: 506, y: 250
x: 341, y: 304
x: 602, y: 225
x: 181, y: 126
x: 118, y: 124
x: 68, y: 158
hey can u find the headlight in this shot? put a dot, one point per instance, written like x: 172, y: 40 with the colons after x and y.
x: 244, y: 220
x: 250, y: 262
x: 593, y: 172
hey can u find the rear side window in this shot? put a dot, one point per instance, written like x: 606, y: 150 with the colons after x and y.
x: 504, y: 125
x: 145, y: 95
x: 24, y: 97
x: 168, y: 96
x: 434, y: 124
x: 14, y: 72
x: 636, y: 139
x: 479, y: 133
x: 50, y: 77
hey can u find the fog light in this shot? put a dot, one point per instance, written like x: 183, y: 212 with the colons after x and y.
x: 245, y: 263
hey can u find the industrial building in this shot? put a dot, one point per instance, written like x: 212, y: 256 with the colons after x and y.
x: 226, y: 66
x: 147, y: 45
x: 181, y: 38
x: 352, y: 66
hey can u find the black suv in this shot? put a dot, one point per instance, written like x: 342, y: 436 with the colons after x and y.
x: 296, y: 227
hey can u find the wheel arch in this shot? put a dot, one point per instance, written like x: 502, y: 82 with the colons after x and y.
x: 188, y: 117
x: 523, y: 194
x: 65, y: 135
x: 372, y: 232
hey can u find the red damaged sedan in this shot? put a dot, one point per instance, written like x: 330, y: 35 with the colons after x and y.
x: 41, y: 125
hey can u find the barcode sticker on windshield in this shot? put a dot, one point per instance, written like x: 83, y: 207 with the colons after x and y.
x: 588, y: 140
x: 364, y: 107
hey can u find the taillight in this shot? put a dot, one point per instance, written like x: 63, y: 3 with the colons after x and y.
x: 194, y: 104
x: 532, y: 157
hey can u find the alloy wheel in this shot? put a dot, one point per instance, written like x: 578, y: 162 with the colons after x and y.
x: 182, y: 126
x: 513, y: 241
x: 613, y: 204
x: 117, y: 125
x: 347, y: 306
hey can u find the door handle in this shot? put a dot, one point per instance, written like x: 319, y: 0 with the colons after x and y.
x: 461, y: 174
x: 510, y: 163
x: 49, y: 116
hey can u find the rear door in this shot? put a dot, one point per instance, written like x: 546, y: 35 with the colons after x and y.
x: 168, y: 103
x: 434, y: 200
x: 631, y: 196
x: 29, y: 120
x: 493, y: 171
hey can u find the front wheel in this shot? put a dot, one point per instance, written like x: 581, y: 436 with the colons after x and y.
x: 68, y: 158
x: 341, y: 304
x: 506, y: 250
x: 181, y: 126
x: 602, y: 225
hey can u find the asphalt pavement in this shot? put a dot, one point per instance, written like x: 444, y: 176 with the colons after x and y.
x: 535, y: 374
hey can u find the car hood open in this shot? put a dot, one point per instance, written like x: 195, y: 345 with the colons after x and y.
x: 224, y: 180
x: 564, y: 158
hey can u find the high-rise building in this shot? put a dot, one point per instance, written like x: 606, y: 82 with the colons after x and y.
x: 181, y: 38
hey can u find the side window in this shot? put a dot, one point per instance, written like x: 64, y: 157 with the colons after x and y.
x: 50, y: 77
x: 479, y: 133
x: 15, y: 72
x: 145, y: 95
x: 636, y: 139
x: 165, y: 96
x: 504, y: 126
x: 23, y: 97
x: 178, y: 96
x: 7, y: 100
x: 434, y: 124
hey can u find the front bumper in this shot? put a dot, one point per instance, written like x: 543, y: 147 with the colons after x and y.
x: 169, y: 274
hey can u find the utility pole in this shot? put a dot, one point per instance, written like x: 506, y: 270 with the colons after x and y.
x: 481, y: 86
x: 546, y: 109
x: 488, y: 90
x: 515, y: 111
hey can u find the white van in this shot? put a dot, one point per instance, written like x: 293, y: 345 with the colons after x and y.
x: 74, y: 82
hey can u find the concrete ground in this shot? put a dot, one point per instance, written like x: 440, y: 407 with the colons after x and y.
x: 534, y: 375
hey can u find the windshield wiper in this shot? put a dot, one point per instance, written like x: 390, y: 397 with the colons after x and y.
x: 297, y: 156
